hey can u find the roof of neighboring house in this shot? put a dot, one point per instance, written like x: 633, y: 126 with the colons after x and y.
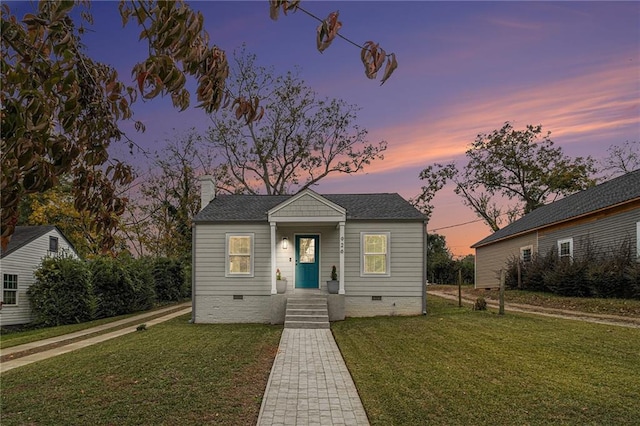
x: 613, y: 192
x: 358, y: 206
x: 23, y: 235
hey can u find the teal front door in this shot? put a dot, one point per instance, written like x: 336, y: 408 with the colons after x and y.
x: 307, y: 262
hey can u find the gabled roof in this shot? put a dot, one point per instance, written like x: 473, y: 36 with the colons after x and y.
x: 619, y: 190
x: 23, y: 235
x: 238, y: 208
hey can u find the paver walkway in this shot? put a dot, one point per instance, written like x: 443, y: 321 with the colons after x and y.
x: 64, y: 348
x: 310, y: 384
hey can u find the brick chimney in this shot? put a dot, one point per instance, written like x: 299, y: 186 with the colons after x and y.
x: 207, y: 190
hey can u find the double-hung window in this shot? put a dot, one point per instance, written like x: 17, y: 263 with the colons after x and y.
x: 239, y: 254
x: 53, y: 244
x: 565, y: 249
x: 526, y: 253
x: 10, y: 289
x: 375, y: 253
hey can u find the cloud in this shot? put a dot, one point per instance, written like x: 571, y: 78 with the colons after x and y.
x: 598, y: 103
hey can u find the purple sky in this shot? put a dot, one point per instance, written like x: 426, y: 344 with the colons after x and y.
x: 464, y: 68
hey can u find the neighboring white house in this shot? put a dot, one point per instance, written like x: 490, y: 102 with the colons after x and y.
x: 376, y: 241
x: 604, y: 215
x: 24, y: 254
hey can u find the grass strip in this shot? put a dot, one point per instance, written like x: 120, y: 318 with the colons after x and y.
x: 620, y: 307
x: 12, y: 338
x: 457, y: 366
x: 172, y: 373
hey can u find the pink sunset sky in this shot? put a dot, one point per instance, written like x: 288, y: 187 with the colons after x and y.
x: 464, y: 68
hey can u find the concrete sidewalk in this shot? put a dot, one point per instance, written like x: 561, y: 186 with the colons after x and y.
x: 183, y: 309
x: 309, y: 383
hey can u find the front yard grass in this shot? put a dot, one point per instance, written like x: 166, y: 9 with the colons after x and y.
x: 457, y: 366
x: 173, y: 373
x: 14, y: 337
x: 620, y: 307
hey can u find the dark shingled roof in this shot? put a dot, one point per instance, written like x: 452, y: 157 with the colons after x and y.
x: 610, y: 193
x: 358, y: 206
x: 23, y: 235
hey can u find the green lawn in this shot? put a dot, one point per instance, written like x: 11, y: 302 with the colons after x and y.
x: 10, y: 338
x: 173, y: 373
x: 457, y: 366
x: 594, y: 305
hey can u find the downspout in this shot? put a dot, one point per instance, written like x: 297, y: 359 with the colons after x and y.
x: 193, y: 273
x: 424, y: 269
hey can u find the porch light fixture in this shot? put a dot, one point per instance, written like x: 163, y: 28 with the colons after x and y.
x: 285, y: 243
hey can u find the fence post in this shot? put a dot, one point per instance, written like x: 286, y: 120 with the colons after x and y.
x: 459, y: 288
x: 502, y: 279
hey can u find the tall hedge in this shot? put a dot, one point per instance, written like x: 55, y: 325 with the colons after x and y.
x: 170, y: 280
x: 62, y: 292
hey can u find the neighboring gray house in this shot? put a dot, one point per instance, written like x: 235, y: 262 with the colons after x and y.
x: 24, y: 254
x: 376, y: 242
x: 605, y: 215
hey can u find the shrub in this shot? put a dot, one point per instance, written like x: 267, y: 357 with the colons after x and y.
x: 170, y: 280
x: 113, y: 287
x: 62, y: 292
x: 139, y: 271
x: 568, y: 278
x: 480, y: 304
x: 607, y: 273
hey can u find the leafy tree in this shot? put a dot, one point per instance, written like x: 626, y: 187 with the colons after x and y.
x: 521, y: 165
x: 622, y: 159
x: 161, y: 220
x: 300, y: 140
x: 61, y: 109
x: 440, y: 264
x: 468, y: 267
x: 56, y: 207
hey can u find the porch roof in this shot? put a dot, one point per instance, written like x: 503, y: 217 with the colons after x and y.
x: 254, y: 208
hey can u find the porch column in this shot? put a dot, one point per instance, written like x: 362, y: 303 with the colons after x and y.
x: 341, y: 290
x: 273, y: 258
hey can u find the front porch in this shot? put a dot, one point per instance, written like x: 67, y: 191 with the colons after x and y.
x: 307, y: 241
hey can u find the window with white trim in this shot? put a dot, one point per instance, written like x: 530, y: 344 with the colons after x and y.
x: 375, y: 253
x: 526, y: 253
x: 565, y: 248
x: 9, y: 289
x: 239, y: 254
x: 638, y: 241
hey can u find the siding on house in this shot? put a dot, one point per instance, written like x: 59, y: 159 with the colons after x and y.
x: 307, y: 206
x: 214, y: 292
x: 23, y: 262
x: 606, y: 230
x: 307, y: 213
x: 493, y: 257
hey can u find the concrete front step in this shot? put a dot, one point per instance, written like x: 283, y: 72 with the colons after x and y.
x: 310, y: 318
x: 306, y: 324
x: 310, y: 311
x: 307, y: 312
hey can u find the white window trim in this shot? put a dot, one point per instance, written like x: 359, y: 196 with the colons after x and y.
x: 637, y: 241
x: 53, y: 238
x: 522, y: 250
x: 16, y: 290
x: 565, y: 240
x: 227, y: 272
x: 388, y: 254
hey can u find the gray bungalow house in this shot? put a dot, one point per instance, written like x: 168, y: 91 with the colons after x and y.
x: 604, y: 215
x: 242, y: 244
x: 23, y: 255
